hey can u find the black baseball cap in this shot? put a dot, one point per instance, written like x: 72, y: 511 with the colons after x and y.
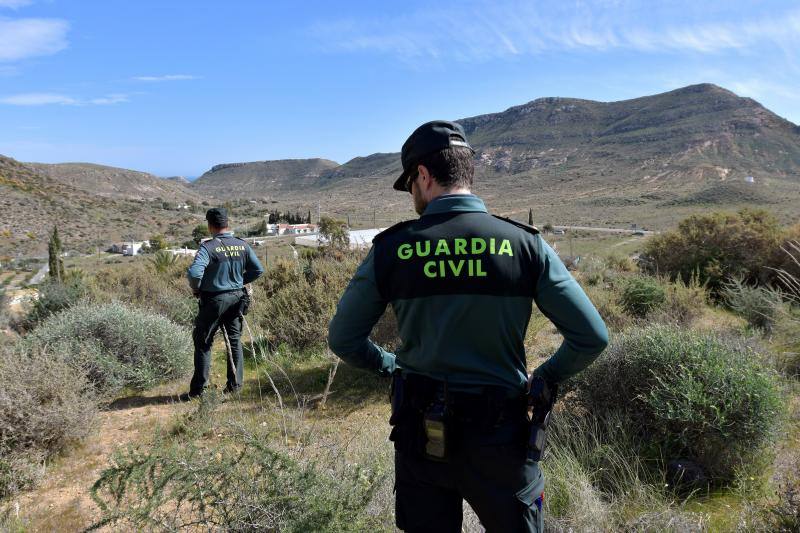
x: 218, y: 217
x: 427, y: 139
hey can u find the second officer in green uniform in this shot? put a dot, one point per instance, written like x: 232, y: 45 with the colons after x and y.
x: 462, y: 284
x: 222, y: 267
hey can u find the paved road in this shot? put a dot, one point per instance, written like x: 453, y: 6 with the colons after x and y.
x: 39, y: 276
x: 604, y: 230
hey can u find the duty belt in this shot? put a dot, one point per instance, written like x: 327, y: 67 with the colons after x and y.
x: 485, y: 408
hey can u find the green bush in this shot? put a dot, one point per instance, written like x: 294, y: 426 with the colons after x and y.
x: 55, y: 296
x: 758, y: 305
x: 716, y: 247
x: 692, y: 395
x: 642, y: 295
x: 117, y: 346
x: 45, y: 406
x: 294, y: 304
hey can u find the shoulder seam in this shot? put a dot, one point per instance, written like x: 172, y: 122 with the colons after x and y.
x: 530, y: 229
x: 391, y: 230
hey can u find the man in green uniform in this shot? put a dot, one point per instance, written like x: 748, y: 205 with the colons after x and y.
x: 222, y: 267
x: 462, y: 284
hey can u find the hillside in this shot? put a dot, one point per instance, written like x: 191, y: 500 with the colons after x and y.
x: 650, y: 159
x: 702, y: 131
x: 114, y: 182
x: 34, y: 202
x: 262, y: 178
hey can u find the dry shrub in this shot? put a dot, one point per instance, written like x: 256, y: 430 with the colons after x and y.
x: 298, y: 301
x: 607, y: 304
x: 140, y: 285
x: 685, y: 301
x: 46, y: 405
x: 760, y: 306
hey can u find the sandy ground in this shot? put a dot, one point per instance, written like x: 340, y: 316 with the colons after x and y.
x: 62, y: 502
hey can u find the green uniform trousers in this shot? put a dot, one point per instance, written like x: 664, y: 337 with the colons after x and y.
x: 215, y: 310
x: 503, y: 487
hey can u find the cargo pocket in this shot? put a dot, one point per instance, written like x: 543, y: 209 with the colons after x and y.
x: 532, y: 500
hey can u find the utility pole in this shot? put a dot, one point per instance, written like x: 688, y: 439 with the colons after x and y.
x: 571, y: 255
x: 319, y: 212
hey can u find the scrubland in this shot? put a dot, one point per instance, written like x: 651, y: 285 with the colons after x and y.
x: 690, y: 421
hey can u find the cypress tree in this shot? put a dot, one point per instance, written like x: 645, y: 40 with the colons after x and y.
x: 55, y: 261
x: 530, y: 216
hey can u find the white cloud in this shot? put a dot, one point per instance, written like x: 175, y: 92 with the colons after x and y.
x: 40, y: 99
x: 760, y: 88
x: 111, y: 99
x: 167, y: 77
x: 15, y: 4
x: 483, y: 31
x: 23, y: 38
x: 35, y: 99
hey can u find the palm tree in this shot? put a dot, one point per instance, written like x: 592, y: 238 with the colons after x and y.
x: 162, y: 261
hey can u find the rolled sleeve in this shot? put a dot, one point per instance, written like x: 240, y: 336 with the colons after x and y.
x: 562, y: 300
x: 359, y: 309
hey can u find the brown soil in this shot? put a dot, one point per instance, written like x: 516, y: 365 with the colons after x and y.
x: 61, y: 502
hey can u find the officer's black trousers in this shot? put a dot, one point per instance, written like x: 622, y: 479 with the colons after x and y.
x: 503, y: 487
x: 219, y: 309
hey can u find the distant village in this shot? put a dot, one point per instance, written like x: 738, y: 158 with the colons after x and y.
x: 306, y: 235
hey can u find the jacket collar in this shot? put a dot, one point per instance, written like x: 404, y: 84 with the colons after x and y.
x: 451, y: 203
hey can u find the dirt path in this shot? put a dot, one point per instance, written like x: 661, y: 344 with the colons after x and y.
x: 62, y: 502
x: 627, y: 241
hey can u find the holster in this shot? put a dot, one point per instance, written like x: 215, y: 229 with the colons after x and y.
x: 244, y: 301
x: 431, y: 421
x: 412, y: 395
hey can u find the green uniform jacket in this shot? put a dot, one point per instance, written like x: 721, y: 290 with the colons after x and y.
x: 462, y: 284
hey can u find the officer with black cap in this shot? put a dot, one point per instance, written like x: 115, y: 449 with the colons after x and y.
x: 222, y: 267
x: 462, y: 284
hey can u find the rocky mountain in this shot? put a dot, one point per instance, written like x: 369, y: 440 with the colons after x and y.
x: 262, y: 178
x: 702, y: 131
x: 114, y: 182
x: 594, y: 161
x: 649, y: 160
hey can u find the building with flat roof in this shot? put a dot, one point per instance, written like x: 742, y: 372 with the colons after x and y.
x: 359, y: 239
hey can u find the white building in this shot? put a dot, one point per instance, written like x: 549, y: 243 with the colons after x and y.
x: 129, y: 247
x: 181, y: 251
x: 358, y: 239
x: 291, y: 229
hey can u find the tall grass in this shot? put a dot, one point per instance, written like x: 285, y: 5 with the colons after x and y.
x: 789, y: 319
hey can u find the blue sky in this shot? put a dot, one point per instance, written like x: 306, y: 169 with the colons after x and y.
x: 174, y: 87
